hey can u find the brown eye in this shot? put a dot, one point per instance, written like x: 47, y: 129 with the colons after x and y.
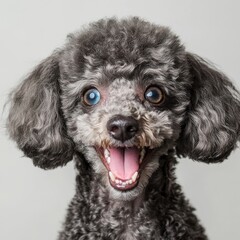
x: 154, y: 95
x: 91, y: 97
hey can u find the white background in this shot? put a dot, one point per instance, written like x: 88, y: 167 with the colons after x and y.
x: 33, y: 202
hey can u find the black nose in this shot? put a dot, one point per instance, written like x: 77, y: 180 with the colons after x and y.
x: 122, y: 128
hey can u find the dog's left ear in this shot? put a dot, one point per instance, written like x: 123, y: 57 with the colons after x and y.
x: 212, y: 126
x: 35, y: 118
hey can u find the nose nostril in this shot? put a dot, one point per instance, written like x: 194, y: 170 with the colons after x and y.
x: 114, y: 129
x: 131, y: 129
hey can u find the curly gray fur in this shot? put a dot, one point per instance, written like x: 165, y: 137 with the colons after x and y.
x: 121, y: 58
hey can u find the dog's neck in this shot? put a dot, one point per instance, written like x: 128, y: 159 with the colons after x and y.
x: 159, y: 187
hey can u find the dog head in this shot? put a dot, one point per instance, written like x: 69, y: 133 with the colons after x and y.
x: 123, y: 93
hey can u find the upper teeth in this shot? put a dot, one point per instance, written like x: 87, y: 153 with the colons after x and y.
x: 107, y: 155
x: 142, y: 154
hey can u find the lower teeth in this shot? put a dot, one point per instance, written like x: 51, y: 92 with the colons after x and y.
x: 121, y: 183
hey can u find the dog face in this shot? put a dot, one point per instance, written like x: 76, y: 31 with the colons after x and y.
x: 130, y: 106
x: 123, y: 93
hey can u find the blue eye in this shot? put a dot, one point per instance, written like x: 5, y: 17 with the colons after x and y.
x: 154, y: 95
x: 91, y: 97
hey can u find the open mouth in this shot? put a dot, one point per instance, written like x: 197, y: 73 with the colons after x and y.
x: 124, y: 165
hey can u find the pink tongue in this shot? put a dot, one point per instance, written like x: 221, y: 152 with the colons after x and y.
x: 124, y: 162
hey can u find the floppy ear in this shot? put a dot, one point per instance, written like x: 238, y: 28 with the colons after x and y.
x: 35, y: 120
x: 212, y: 127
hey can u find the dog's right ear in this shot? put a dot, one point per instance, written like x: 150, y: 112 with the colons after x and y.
x: 35, y: 119
x: 212, y: 126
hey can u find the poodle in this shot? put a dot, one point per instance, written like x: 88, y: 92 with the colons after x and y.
x: 123, y: 99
